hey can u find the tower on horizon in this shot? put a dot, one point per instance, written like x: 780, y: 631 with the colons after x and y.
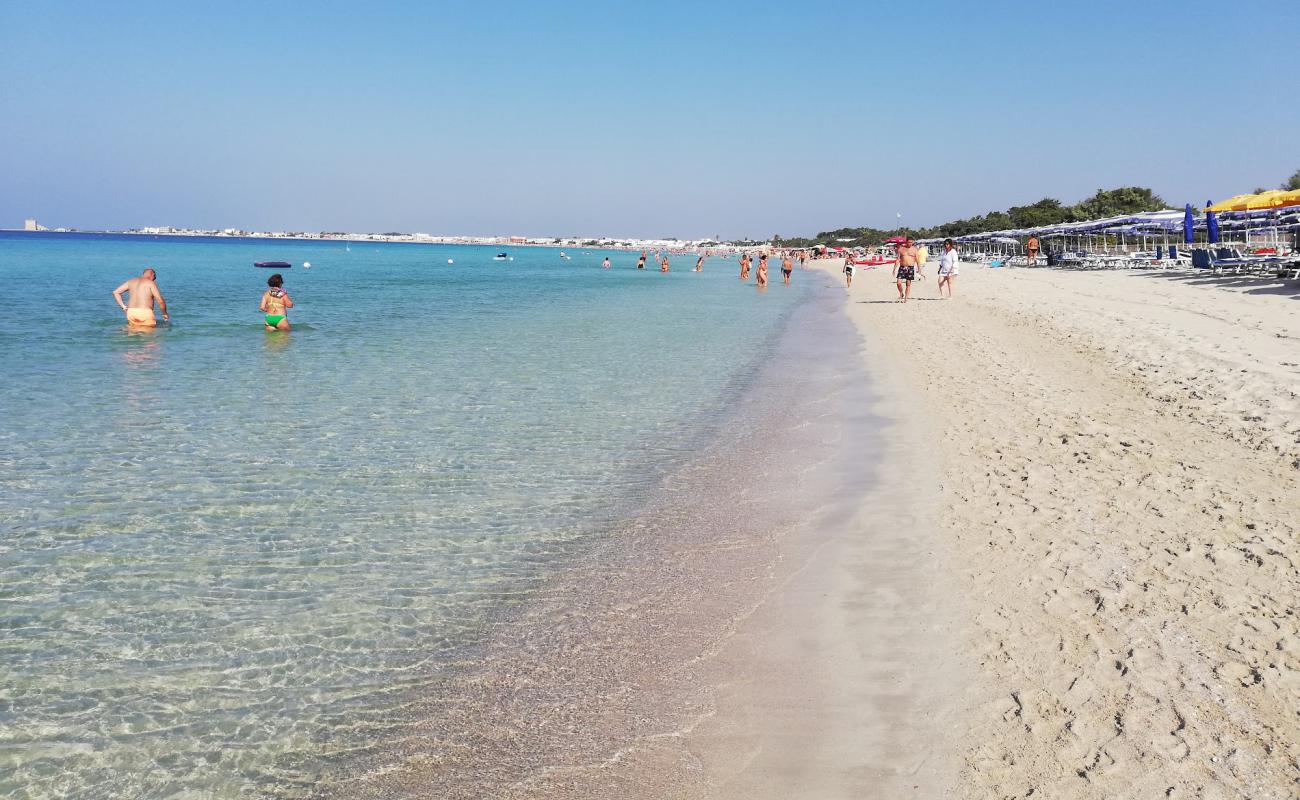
x: 33, y: 225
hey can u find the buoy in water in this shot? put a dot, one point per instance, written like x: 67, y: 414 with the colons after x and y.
x: 306, y: 265
x: 449, y: 261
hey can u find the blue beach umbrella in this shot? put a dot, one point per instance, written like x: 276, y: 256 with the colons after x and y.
x: 1189, y: 224
x: 1212, y: 224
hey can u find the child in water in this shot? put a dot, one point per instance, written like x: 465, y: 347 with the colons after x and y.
x: 275, y: 304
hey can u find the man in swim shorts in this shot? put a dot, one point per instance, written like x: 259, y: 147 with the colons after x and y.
x: 787, y: 266
x: 905, y: 270
x: 138, y: 306
x: 276, y: 304
x: 1031, y: 251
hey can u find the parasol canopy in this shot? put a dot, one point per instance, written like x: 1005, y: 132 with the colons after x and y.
x: 1276, y: 198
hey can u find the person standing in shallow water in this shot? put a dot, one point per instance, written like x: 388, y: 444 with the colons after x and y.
x: 744, y: 266
x: 605, y: 264
x: 640, y: 262
x: 762, y: 270
x: 142, y: 291
x: 276, y: 304
x: 663, y: 265
x: 699, y: 264
x: 787, y: 266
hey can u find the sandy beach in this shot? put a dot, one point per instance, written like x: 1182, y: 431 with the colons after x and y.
x: 1118, y: 485
x: 1060, y: 562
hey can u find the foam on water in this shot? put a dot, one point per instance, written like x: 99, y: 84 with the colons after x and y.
x: 227, y: 557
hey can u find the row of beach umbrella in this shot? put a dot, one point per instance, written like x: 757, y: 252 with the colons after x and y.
x: 1243, y: 213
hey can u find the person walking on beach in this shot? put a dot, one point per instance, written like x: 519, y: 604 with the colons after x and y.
x: 905, y: 270
x: 1031, y: 251
x: 640, y: 262
x: 947, y: 266
x: 762, y: 270
x: 848, y: 273
x: 605, y: 264
x: 276, y: 304
x: 699, y: 264
x: 922, y: 256
x: 138, y: 306
x: 787, y: 266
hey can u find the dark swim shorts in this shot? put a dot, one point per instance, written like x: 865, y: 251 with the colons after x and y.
x: 907, y: 273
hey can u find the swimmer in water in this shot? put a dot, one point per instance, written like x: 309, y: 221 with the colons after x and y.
x: 275, y: 304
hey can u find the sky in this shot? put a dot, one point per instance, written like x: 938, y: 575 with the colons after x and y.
x: 683, y: 119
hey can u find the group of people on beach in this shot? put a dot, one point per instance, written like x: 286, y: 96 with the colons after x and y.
x: 142, y: 293
x: 910, y: 259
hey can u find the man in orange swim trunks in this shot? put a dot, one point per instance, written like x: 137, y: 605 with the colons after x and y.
x: 139, y: 306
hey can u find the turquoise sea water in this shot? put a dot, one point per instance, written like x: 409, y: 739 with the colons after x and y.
x: 227, y: 555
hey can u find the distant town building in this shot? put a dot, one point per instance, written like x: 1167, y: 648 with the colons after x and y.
x: 33, y: 225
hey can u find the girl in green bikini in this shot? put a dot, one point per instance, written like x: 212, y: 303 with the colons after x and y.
x: 275, y: 304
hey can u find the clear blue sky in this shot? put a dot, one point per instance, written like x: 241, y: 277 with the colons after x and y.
x: 641, y: 119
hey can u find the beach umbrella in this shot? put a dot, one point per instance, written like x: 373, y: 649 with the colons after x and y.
x: 1211, y: 224
x: 1275, y: 198
x: 1189, y: 224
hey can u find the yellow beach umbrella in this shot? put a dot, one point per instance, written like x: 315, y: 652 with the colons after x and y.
x: 1237, y: 203
x: 1263, y: 201
x: 1278, y: 198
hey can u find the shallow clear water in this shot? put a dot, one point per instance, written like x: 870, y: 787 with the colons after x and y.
x: 224, y: 551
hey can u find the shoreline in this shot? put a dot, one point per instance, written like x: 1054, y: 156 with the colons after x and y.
x: 653, y: 669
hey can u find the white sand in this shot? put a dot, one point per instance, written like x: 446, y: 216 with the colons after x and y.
x: 1120, y: 506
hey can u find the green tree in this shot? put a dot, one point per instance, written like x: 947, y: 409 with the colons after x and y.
x: 1047, y: 211
x: 1113, y: 202
x: 1292, y: 183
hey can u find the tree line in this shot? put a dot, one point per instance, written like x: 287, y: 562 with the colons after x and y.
x: 1048, y: 211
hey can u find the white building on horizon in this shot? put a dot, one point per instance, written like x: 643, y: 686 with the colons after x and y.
x: 33, y: 225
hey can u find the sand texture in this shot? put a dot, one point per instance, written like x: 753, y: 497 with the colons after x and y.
x: 1120, y: 502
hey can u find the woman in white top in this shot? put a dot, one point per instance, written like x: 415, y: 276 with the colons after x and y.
x: 947, y: 266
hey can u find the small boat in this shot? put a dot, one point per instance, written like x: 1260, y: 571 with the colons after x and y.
x: 500, y: 257
x: 272, y: 264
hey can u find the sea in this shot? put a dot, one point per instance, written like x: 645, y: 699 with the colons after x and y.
x: 233, y: 560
